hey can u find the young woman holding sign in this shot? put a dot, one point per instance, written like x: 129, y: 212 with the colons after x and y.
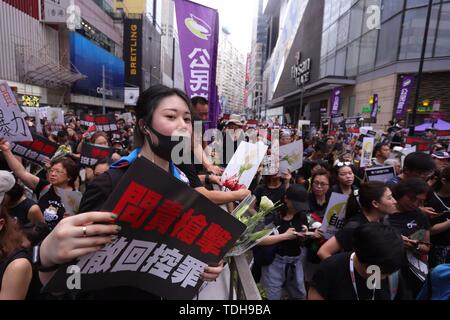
x: 376, y: 201
x: 161, y: 113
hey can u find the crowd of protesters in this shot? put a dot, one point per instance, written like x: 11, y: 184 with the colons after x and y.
x: 294, y: 262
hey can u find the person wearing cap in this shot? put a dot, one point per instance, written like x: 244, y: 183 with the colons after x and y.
x: 286, y: 269
x: 233, y: 135
x: 16, y: 272
x: 441, y: 159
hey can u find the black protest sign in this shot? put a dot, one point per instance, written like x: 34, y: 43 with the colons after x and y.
x: 423, y: 144
x: 382, y: 174
x: 39, y: 150
x: 87, y: 121
x: 91, y: 154
x: 170, y: 234
x: 371, y: 134
x: 106, y: 123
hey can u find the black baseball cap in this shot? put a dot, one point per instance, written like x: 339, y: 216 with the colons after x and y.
x: 298, y: 195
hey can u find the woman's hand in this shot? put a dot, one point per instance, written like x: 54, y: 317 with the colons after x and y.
x: 4, y: 145
x: 290, y: 234
x: 212, y: 272
x: 411, y: 244
x: 77, y: 236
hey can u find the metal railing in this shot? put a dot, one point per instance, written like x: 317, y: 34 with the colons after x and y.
x: 242, y: 284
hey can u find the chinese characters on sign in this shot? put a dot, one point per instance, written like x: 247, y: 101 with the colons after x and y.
x: 199, y: 76
x: 106, y: 123
x: 91, y: 154
x: 170, y: 234
x: 12, y: 124
x: 39, y: 150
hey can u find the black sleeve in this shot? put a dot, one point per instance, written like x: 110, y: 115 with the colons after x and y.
x: 191, y: 173
x: 322, y: 280
x: 40, y: 186
x: 96, y: 193
x: 345, y: 238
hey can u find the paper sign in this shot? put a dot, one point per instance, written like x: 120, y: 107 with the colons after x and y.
x: 12, y: 123
x: 365, y: 130
x: 291, y: 156
x: 70, y: 199
x: 87, y: 121
x: 39, y: 151
x: 382, y: 174
x: 243, y: 166
x: 367, y: 151
x: 106, y: 123
x: 91, y: 154
x: 334, y: 217
x: 55, y: 117
x: 170, y: 234
x: 270, y: 165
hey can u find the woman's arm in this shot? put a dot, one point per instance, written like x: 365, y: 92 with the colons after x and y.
x: 16, y: 280
x: 290, y: 234
x: 440, y: 228
x: 329, y: 248
x: 35, y: 215
x: 314, y: 295
x: 19, y: 170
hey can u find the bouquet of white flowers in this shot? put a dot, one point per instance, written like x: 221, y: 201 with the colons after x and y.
x: 256, y: 229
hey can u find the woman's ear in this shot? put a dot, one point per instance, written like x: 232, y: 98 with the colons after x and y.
x: 375, y: 204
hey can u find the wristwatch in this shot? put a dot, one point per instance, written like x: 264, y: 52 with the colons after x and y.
x: 36, y: 259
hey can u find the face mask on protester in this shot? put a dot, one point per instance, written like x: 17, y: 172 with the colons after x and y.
x: 165, y: 146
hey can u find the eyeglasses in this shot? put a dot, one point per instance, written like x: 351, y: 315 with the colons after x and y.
x: 56, y: 171
x: 320, y: 185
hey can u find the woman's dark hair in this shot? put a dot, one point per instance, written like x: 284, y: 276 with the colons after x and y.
x: 411, y: 188
x: 148, y: 102
x: 36, y: 233
x: 71, y: 168
x: 445, y: 174
x: 321, y: 172
x: 107, y: 161
x: 15, y: 193
x: 419, y: 162
x: 369, y: 192
x: 379, y: 245
x: 11, y: 237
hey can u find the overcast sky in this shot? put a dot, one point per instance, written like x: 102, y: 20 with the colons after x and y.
x: 237, y: 16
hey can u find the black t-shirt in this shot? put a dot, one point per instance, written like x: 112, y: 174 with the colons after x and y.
x: 345, y: 235
x: 275, y: 195
x: 21, y: 211
x: 191, y: 173
x: 440, y: 205
x: 317, y: 208
x: 50, y: 203
x: 290, y: 248
x: 35, y: 284
x: 409, y: 222
x: 337, y: 189
x: 332, y: 281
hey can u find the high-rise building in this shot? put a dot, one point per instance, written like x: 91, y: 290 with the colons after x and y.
x: 231, y: 65
x: 257, y: 62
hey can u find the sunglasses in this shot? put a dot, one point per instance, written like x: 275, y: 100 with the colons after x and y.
x: 343, y: 164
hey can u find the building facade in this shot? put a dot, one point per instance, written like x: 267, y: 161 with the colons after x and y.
x: 366, y: 47
x: 231, y: 66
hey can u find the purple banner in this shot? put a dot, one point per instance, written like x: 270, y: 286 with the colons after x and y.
x: 405, y: 92
x: 336, y: 101
x: 375, y: 105
x: 198, y: 29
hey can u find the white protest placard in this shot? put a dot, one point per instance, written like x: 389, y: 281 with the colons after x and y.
x: 334, y: 217
x: 270, y: 165
x: 302, y: 123
x: 367, y: 151
x: 365, y: 130
x: 12, y: 123
x: 243, y: 166
x: 55, y: 116
x: 291, y: 157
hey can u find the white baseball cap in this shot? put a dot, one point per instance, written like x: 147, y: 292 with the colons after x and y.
x: 7, y: 182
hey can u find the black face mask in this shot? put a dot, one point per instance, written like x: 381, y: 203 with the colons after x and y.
x: 165, y: 146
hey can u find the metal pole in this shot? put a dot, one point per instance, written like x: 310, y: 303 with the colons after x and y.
x: 419, y: 76
x: 301, y: 104
x: 103, y: 90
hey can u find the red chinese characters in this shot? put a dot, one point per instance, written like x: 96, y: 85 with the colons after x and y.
x: 213, y: 240
x: 189, y: 227
x: 165, y: 216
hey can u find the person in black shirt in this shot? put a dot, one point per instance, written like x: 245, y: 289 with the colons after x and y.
x: 376, y: 201
x: 286, y: 270
x: 20, y: 207
x: 161, y: 112
x: 439, y: 200
x: 413, y: 225
x: 62, y: 174
x: 345, y: 276
x: 319, y: 195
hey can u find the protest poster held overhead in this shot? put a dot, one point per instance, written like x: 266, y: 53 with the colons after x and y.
x: 367, y: 149
x: 170, y: 234
x: 243, y: 166
x: 334, y: 217
x: 91, y: 154
x: 291, y: 157
x: 39, y: 150
x: 12, y: 124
